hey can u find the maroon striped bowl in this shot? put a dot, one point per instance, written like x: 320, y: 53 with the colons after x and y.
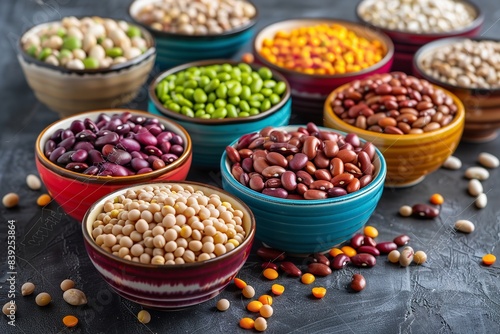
x: 169, y: 286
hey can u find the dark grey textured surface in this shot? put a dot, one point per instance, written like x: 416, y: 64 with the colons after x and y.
x: 451, y: 293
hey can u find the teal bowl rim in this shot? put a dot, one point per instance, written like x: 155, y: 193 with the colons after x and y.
x: 208, y: 37
x: 378, y: 181
x: 214, y: 122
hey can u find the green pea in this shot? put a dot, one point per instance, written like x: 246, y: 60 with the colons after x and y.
x: 243, y: 114
x: 204, y: 80
x: 257, y: 97
x: 198, y: 106
x: 269, y: 83
x: 212, y: 74
x: 179, y: 89
x: 133, y: 31
x: 254, y: 111
x: 220, y: 103
x: 71, y: 43
x: 212, y: 85
x: 212, y: 97
x: 275, y: 99
x: 226, y: 68
x: 244, y: 106
x: 210, y: 108
x: 32, y: 51
x: 65, y: 53
x: 187, y: 111
x: 174, y: 107
x: 188, y: 93
x: 219, y: 113
x: 266, y: 105
x: 254, y: 103
x: 114, y: 52
x: 235, y: 90
x: 199, y: 96
x: 265, y: 73
x: 245, y: 67
x: 190, y: 84
x: 246, y: 79
x: 232, y: 112
x: 234, y: 100
x: 194, y: 70
x: 224, y: 76
x: 256, y: 85
x: 280, y: 88
x: 266, y: 92
x: 199, y: 113
x: 221, y: 91
x: 44, y: 53
x: 246, y: 92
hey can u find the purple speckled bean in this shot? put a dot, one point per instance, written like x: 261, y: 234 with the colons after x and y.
x: 146, y: 138
x: 336, y: 192
x: 49, y: 147
x: 165, y: 137
x: 56, y: 136
x: 273, y: 183
x: 129, y: 144
x: 153, y: 150
x: 77, y: 126
x: 79, y: 155
x: 66, y: 134
x: 89, y: 124
x: 177, y: 140
x: 92, y: 170
x: 139, y: 163
x: 67, y: 143
x: 83, y: 145
x: 77, y: 166
x: 176, y: 149
x: 56, y: 153
x: 340, y: 261
x: 401, y: 240
x: 86, y: 135
x: 165, y: 147
x: 144, y: 170
x: 168, y: 158
x: 123, y: 129
x: 283, y: 148
x: 116, y: 170
x: 425, y: 211
x: 95, y: 157
x: 119, y: 157
x: 154, y: 129
x: 298, y: 161
x: 110, y: 138
x: 65, y: 158
x: 275, y: 192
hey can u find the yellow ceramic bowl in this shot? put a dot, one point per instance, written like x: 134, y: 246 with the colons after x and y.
x: 409, y: 157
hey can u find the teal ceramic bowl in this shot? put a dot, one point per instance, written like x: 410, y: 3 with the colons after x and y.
x: 211, y: 136
x: 175, y: 49
x: 308, y: 226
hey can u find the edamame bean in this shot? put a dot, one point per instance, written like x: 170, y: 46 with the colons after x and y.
x: 210, y: 108
x: 246, y: 92
x: 234, y: 100
x: 274, y: 98
x: 232, y: 112
x: 174, y: 107
x: 219, y: 113
x: 199, y: 95
x: 212, y: 86
x: 221, y: 91
x: 265, y: 73
x: 244, y: 106
x: 212, y: 97
x: 235, y: 90
x: 220, y: 103
x: 256, y: 85
x: 198, y: 106
x: 188, y: 93
x: 279, y: 88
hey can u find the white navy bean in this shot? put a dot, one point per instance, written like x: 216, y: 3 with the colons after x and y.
x: 475, y: 187
x: 465, y: 226
x: 481, y: 201
x: 453, y: 163
x: 477, y: 173
x: 488, y: 160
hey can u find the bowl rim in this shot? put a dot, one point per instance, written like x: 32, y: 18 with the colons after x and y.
x: 433, y: 46
x: 478, y: 21
x: 151, y: 51
x: 185, y: 156
x: 116, y: 259
x: 371, y: 135
x: 377, y: 181
x: 208, y: 37
x: 215, y: 122
x: 387, y: 42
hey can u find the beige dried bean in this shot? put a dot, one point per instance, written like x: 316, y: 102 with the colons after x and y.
x: 74, y: 297
x: 393, y: 256
x: 27, y: 289
x: 465, y: 226
x: 9, y: 308
x: 405, y: 211
x: 10, y: 200
x: 33, y: 182
x: 419, y: 257
x: 477, y: 173
x: 475, y: 187
x: 481, y: 201
x: 488, y: 160
x: 406, y: 257
x: 223, y: 304
x: 43, y: 299
x: 67, y: 284
x: 452, y: 162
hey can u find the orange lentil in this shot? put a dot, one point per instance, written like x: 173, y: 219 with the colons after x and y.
x: 436, y: 199
x: 335, y: 251
x: 270, y: 273
x: 489, y: 259
x: 266, y: 300
x: 277, y: 289
x: 370, y: 231
x: 318, y: 292
x: 349, y: 251
x: 70, y: 321
x: 307, y: 278
x: 240, y: 284
x: 247, y: 323
x: 43, y: 200
x: 254, y: 306
x: 247, y: 58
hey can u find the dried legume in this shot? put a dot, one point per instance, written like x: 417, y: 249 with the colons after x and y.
x: 248, y: 291
x: 290, y: 269
x: 223, y: 305
x: 43, y: 299
x: 43, y: 200
x: 488, y: 160
x: 481, y: 201
x: 220, y: 91
x: 406, y: 256
x: 393, y: 256
x: 318, y: 269
x: 10, y: 200
x: 260, y: 324
x: 74, y: 297
x: 85, y: 43
x: 452, y: 162
x: 9, y: 308
x: 33, y: 182
x: 401, y: 240
x: 363, y: 260
x: 70, y: 321
x: 266, y: 300
x: 478, y: 173
x: 489, y: 259
x: 405, y: 211
x: 67, y: 284
x: 27, y: 288
x: 322, y: 49
x: 358, y: 282
x: 370, y: 231
x: 419, y: 257
x: 254, y: 306
x: 475, y: 187
x: 270, y: 254
x: 436, y: 199
x: 335, y: 251
x: 247, y: 323
x: 340, y: 261
x: 385, y: 247
x: 318, y: 292
x: 270, y: 274
x: 240, y: 284
x: 266, y: 311
x: 307, y: 278
x: 349, y: 251
x: 394, y: 103
x: 424, y: 211
x: 465, y: 226
x: 418, y: 16
x: 277, y: 289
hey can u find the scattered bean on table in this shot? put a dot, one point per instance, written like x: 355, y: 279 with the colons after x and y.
x: 436, y: 199
x: 43, y: 200
x: 370, y: 231
x: 420, y: 257
x: 394, y: 103
x: 307, y: 278
x: 254, y: 306
x: 478, y: 173
x: 247, y: 323
x: 33, y: 182
x: 486, y: 159
x: 358, y: 282
x: 270, y: 274
x: 318, y: 292
x: 481, y: 201
x: 489, y: 259
x: 74, y: 297
x: 465, y: 226
x: 10, y: 200
x: 322, y: 49
x: 406, y: 256
x: 240, y: 284
x: 266, y: 311
x: 260, y: 324
x: 27, y: 289
x: 9, y: 308
x: 43, y: 299
x: 87, y: 43
x: 393, y: 256
x: 70, y: 321
x: 266, y: 300
x: 223, y: 304
x: 277, y: 289
x: 405, y: 211
x: 452, y: 162
x: 475, y: 187
x: 248, y: 291
x: 67, y: 284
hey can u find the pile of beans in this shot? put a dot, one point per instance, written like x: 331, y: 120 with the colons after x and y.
x: 418, y: 16
x: 302, y: 164
x: 86, y: 43
x: 118, y: 145
x: 394, y: 103
x: 168, y: 224
x: 468, y: 64
x: 322, y: 49
x: 220, y: 91
x: 196, y: 17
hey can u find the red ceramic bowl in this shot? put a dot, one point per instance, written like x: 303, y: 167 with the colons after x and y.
x: 76, y: 192
x: 169, y: 286
x: 407, y: 43
x: 312, y: 89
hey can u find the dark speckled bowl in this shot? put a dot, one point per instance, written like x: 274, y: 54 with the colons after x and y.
x: 169, y: 286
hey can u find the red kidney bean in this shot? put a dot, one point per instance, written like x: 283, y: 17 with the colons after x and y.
x: 259, y: 164
x: 79, y: 155
x: 275, y: 192
x: 340, y: 261
x: 289, y: 181
x: 368, y: 249
x: 346, y: 155
x: 246, y: 139
x: 386, y: 247
x: 321, y: 185
x: 67, y: 143
x: 352, y: 139
x: 342, y: 180
x: 236, y: 171
x: 424, y: 211
x: 319, y: 269
x: 86, y: 135
x: 269, y: 264
x: 275, y: 158
x: 310, y: 167
x: 49, y: 147
x: 89, y: 124
x: 56, y: 153
x: 336, y: 192
x: 247, y: 165
x: 76, y: 166
x: 357, y: 241
x: 116, y: 170
x: 330, y: 148
x: 368, y: 241
x: 304, y: 177
x: 273, y: 183
x: 358, y: 282
x: 138, y: 164
x: 77, y: 126
x: 168, y: 158
x: 320, y: 258
x: 315, y: 194
x: 270, y: 254
x: 298, y: 161
x: 322, y: 174
x: 353, y: 186
x: 311, y: 146
x: 120, y: 157
x: 401, y: 240
x: 290, y: 269
x: 365, y: 180
x: 65, y: 158
x: 152, y: 150
x: 83, y: 145
x: 176, y: 149
x: 92, y: 170
x: 256, y: 182
x: 233, y: 154
x: 363, y: 260
x: 273, y: 171
x: 146, y: 138
x: 244, y: 178
x: 283, y: 148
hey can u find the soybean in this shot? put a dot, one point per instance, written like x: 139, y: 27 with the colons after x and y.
x: 144, y: 316
x: 223, y: 305
x: 27, y: 288
x: 419, y: 257
x: 43, y: 299
x: 10, y: 200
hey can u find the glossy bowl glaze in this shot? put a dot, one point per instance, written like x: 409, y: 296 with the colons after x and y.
x: 169, y: 286
x: 176, y: 49
x: 409, y: 157
x: 406, y: 44
x: 69, y: 92
x: 309, y: 91
x: 482, y: 106
x: 308, y: 226
x: 76, y: 192
x: 211, y: 136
